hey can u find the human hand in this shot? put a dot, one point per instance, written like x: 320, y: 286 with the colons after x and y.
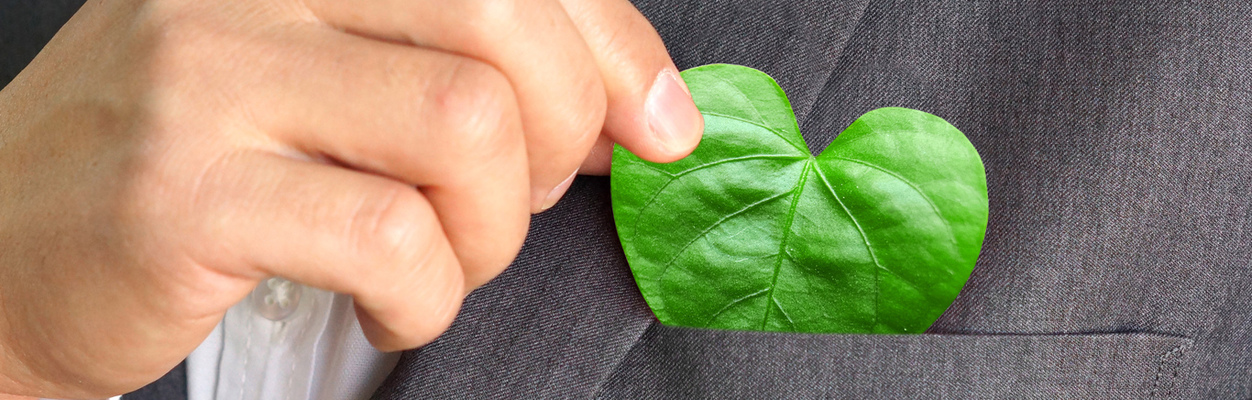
x: 160, y: 158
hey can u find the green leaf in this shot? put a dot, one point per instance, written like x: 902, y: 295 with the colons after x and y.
x: 751, y: 231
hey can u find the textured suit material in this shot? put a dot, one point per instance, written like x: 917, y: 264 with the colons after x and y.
x: 171, y: 386
x: 1117, y: 139
x: 1117, y: 142
x: 25, y: 26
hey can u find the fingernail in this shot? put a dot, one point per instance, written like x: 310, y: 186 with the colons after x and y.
x: 558, y: 191
x: 672, y: 115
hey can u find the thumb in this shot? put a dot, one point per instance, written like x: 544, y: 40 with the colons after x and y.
x: 649, y: 109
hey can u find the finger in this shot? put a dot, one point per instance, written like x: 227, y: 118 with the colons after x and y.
x: 374, y: 238
x: 533, y: 43
x: 599, y: 158
x: 443, y: 122
x: 650, y: 111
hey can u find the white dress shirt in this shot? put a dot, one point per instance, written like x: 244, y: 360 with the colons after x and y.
x: 287, y: 341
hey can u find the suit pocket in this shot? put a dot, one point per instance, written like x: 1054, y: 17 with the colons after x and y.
x: 683, y: 363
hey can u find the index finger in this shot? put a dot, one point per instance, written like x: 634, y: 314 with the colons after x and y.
x: 532, y: 42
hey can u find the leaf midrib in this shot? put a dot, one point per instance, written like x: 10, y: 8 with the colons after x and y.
x: 810, y: 161
x: 782, y: 245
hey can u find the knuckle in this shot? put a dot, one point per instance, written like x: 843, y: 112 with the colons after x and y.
x: 389, y: 229
x: 418, y: 282
x: 440, y: 300
x: 180, y: 46
x: 479, y: 111
x: 490, y: 20
x: 174, y: 42
x: 589, y: 103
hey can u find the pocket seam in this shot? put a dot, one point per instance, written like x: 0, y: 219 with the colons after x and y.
x: 1168, y: 364
x: 1159, y: 378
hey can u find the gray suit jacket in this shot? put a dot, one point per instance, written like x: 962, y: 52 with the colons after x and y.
x: 1117, y: 137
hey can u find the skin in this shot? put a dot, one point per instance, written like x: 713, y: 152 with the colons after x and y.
x: 160, y: 158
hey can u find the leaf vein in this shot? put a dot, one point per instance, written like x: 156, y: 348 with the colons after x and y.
x: 743, y: 96
x: 654, y: 168
x: 680, y: 174
x: 803, y: 150
x: 732, y: 304
x: 868, y: 247
x: 893, y: 174
x: 782, y: 245
x: 706, y: 231
x: 910, y: 284
x: 784, y: 312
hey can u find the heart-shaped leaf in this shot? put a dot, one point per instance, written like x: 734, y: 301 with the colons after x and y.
x: 751, y: 231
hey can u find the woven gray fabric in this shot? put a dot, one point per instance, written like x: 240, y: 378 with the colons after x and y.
x: 25, y: 26
x: 1117, y: 138
x: 170, y: 387
x: 1117, y: 142
x: 686, y: 363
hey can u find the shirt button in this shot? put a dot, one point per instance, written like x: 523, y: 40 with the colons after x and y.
x: 276, y: 298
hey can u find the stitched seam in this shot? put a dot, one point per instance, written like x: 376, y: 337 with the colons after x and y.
x: 1171, y: 360
x: 307, y: 317
x: 247, y: 353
